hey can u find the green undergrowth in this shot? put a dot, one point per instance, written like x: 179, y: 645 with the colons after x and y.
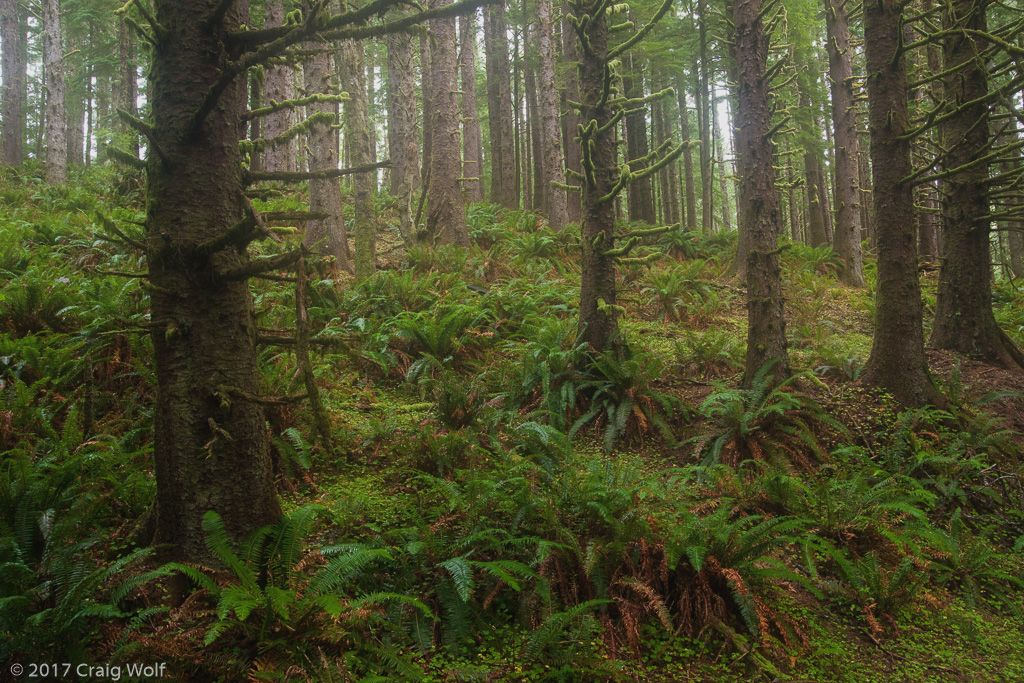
x: 508, y: 505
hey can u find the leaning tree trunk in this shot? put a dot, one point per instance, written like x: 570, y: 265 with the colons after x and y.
x: 446, y: 216
x: 403, y: 147
x: 357, y: 141
x: 472, y: 143
x: 56, y: 114
x: 759, y: 213
x: 964, y: 321
x: 897, y: 362
x: 847, y: 237
x: 11, y: 98
x: 551, y: 143
x: 210, y: 440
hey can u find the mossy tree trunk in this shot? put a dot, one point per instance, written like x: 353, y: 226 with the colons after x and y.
x: 897, y: 362
x: 570, y: 119
x: 847, y: 148
x: 56, y: 114
x: 357, y: 140
x: 599, y: 313
x: 504, y: 190
x: 472, y: 137
x: 760, y: 215
x: 326, y: 235
x: 446, y: 215
x: 210, y: 444
x: 278, y: 86
x: 690, y: 193
x: 964, y: 321
x: 403, y: 146
x: 552, y: 173
x: 11, y: 100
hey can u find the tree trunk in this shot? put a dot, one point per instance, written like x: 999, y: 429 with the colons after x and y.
x: 534, y: 196
x: 278, y: 86
x: 812, y: 172
x: 690, y: 191
x: 639, y: 196
x: 210, y: 441
x: 571, y: 119
x: 326, y: 236
x: 759, y: 214
x: 866, y: 202
x: 56, y: 114
x: 472, y: 164
x: 599, y: 312
x: 964, y: 321
x: 74, y: 100
x: 551, y: 142
x: 723, y: 183
x: 847, y: 236
x: 446, y: 217
x: 128, y: 86
x: 357, y: 140
x: 426, y: 90
x: 403, y: 147
x: 12, y: 38
x: 704, y: 123
x: 504, y: 191
x: 897, y: 362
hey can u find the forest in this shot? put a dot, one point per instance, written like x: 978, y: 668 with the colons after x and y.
x: 663, y: 340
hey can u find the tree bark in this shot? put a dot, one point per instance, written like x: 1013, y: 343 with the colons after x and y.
x: 56, y: 113
x: 403, y: 146
x: 640, y: 199
x: 690, y: 191
x: 504, y: 190
x: 446, y: 217
x: 128, y: 85
x: 426, y: 89
x: 964, y: 321
x: 74, y: 101
x: 472, y: 146
x: 571, y: 119
x: 278, y: 86
x: 897, y: 361
x: 599, y: 312
x: 210, y: 442
x: 704, y: 124
x: 551, y: 139
x: 357, y: 139
x: 723, y: 183
x: 12, y: 39
x: 534, y: 195
x: 760, y: 214
x: 847, y: 236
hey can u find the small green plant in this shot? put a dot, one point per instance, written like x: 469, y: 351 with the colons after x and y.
x: 674, y: 287
x: 713, y: 352
x: 622, y: 399
x: 867, y: 584
x: 968, y: 561
x: 764, y: 422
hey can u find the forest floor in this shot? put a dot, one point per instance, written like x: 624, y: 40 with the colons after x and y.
x: 496, y: 513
